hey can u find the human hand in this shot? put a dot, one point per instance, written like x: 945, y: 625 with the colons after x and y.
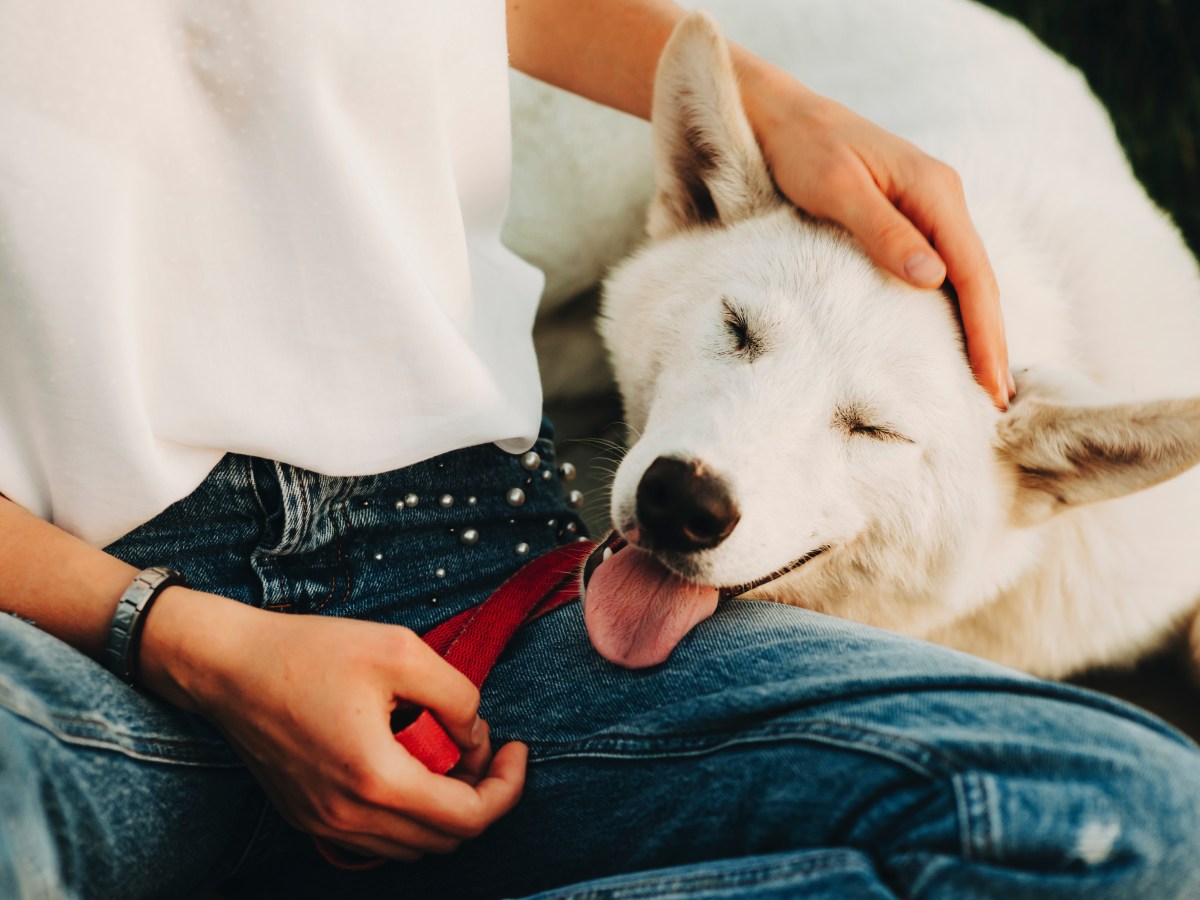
x: 899, y: 202
x: 307, y: 700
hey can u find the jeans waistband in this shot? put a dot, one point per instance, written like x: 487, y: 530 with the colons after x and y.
x: 412, y: 546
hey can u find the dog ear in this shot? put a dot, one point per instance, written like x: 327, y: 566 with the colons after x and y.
x: 1068, y: 449
x: 708, y: 167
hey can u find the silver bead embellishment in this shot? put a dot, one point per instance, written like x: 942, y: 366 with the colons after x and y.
x: 378, y: 557
x: 446, y: 501
x: 522, y: 549
x: 411, y: 500
x: 566, y: 472
x: 515, y: 497
x: 439, y: 573
x: 575, y: 499
x: 547, y: 474
x: 470, y: 537
x: 471, y: 501
x: 530, y: 461
x: 433, y: 601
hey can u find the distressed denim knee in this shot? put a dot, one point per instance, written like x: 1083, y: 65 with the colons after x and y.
x: 1120, y: 821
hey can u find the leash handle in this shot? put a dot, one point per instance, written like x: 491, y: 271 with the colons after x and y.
x: 428, y: 741
x: 472, y: 641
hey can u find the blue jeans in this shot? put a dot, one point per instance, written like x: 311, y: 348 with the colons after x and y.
x: 778, y: 753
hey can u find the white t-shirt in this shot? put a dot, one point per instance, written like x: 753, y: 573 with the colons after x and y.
x: 270, y: 228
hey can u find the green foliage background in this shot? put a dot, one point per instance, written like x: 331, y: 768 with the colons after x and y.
x: 1142, y: 58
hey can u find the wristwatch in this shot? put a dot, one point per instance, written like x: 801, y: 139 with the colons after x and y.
x: 125, y: 632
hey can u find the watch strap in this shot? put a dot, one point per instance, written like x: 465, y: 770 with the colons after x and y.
x: 124, y: 634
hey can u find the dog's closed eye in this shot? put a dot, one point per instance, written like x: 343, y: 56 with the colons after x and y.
x: 745, y: 342
x: 858, y: 420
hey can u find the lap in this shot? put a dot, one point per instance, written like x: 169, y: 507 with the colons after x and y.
x: 773, y: 729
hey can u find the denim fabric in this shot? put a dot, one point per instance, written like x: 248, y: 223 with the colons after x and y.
x: 777, y: 753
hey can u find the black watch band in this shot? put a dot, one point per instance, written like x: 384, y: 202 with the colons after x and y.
x: 120, y: 653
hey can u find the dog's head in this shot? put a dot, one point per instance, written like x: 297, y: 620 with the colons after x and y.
x: 806, y: 425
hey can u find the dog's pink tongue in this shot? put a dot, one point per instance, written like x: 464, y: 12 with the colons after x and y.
x: 636, y: 611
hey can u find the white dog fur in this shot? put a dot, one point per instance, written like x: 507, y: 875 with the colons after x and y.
x: 1052, y: 538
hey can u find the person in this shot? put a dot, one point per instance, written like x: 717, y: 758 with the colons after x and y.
x: 256, y: 325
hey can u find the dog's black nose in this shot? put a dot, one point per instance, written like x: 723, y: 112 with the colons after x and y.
x: 681, y: 507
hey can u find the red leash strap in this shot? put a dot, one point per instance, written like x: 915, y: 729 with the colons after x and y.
x: 472, y: 641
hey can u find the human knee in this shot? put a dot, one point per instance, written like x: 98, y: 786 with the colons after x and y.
x: 1124, y: 823
x: 1149, y: 842
x: 1082, y: 803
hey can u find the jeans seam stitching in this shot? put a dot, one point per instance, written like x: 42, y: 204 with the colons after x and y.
x: 759, y: 874
x: 306, y: 518
x: 253, y: 482
x: 163, y: 746
x: 58, y: 726
x: 339, y: 541
x: 289, y: 537
x: 332, y: 581
x: 928, y: 757
x: 995, y: 826
x: 978, y: 815
x: 908, y: 762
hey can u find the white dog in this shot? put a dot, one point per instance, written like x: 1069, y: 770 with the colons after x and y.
x: 807, y: 427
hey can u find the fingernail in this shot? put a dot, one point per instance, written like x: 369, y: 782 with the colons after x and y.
x: 1002, y: 378
x: 1012, y: 386
x: 478, y: 732
x: 922, y: 268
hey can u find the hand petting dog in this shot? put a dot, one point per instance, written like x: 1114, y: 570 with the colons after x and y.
x: 899, y: 202
x: 906, y: 208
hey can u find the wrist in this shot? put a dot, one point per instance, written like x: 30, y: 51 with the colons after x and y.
x: 769, y: 94
x: 190, y: 644
x: 757, y: 81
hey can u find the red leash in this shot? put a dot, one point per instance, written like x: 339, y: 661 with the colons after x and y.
x: 472, y: 641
